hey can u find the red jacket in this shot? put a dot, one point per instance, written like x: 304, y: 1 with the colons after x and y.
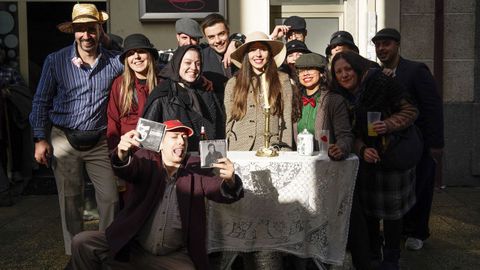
x: 116, y: 125
x: 194, y: 184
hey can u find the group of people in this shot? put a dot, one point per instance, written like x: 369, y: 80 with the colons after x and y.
x: 89, y: 99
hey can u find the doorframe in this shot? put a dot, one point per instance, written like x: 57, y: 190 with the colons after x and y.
x: 23, y: 31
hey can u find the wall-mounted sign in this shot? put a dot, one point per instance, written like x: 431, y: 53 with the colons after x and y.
x: 176, y: 9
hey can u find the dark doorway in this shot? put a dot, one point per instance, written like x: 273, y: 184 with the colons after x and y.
x: 43, y: 39
x: 43, y: 35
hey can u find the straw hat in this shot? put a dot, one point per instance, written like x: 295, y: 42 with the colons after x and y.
x: 277, y: 48
x: 83, y: 13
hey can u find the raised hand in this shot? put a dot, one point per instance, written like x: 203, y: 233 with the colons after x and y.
x: 127, y: 141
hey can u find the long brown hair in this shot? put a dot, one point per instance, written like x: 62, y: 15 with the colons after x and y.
x: 244, y: 80
x: 127, y: 88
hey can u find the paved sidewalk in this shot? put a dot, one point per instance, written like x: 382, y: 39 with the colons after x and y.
x: 31, y: 237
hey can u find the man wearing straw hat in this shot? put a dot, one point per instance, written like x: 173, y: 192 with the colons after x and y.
x: 69, y: 119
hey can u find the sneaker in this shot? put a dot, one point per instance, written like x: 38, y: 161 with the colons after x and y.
x: 413, y: 243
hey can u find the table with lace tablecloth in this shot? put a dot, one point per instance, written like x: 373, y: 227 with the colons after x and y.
x: 294, y: 204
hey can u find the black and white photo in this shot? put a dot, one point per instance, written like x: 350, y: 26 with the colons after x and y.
x: 211, y: 151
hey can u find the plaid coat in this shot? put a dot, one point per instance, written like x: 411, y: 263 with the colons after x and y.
x: 247, y: 133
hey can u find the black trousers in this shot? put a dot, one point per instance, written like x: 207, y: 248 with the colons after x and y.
x: 415, y: 222
x: 358, y: 240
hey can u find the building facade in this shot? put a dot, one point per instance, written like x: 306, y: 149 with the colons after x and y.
x: 442, y: 33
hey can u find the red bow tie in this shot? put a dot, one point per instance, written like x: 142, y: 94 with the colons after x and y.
x: 310, y: 101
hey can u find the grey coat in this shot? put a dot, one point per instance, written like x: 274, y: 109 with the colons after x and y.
x: 332, y: 115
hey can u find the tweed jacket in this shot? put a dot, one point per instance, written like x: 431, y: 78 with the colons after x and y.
x: 333, y: 115
x: 247, y: 133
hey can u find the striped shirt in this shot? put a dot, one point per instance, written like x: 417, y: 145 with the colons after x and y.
x: 73, y: 97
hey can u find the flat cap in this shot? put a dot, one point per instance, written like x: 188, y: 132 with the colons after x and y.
x: 311, y: 60
x: 387, y: 33
x: 189, y: 27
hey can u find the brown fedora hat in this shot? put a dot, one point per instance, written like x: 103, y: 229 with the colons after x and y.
x: 83, y: 13
x: 277, y: 47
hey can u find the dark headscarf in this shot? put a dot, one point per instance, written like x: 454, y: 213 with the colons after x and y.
x: 171, y: 70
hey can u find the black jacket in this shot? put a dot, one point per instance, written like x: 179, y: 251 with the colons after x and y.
x: 420, y: 84
x: 169, y: 100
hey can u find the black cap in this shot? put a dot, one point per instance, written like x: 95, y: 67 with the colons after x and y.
x: 338, y: 38
x: 296, y: 46
x: 387, y: 33
x: 138, y: 41
x: 296, y: 23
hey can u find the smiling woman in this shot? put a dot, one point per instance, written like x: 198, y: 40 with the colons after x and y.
x: 256, y: 86
x: 129, y: 91
x: 181, y: 96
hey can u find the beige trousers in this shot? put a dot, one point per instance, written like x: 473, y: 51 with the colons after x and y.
x: 90, y: 250
x: 68, y: 165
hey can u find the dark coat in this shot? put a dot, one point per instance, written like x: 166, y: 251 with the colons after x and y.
x: 419, y: 82
x: 170, y: 101
x: 214, y: 70
x: 193, y: 186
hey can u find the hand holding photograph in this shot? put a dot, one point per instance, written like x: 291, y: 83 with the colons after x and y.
x: 211, y: 151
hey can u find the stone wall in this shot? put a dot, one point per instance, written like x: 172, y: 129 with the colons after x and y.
x: 462, y: 111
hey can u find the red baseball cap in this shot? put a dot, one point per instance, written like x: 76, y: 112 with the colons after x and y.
x: 177, y: 125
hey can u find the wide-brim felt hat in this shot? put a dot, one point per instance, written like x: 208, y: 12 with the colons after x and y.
x: 277, y: 48
x: 83, y: 13
x: 138, y: 41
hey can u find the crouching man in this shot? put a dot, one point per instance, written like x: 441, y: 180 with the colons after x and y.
x: 163, y: 225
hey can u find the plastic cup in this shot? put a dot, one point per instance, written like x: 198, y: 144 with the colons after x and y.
x: 371, y: 118
x: 323, y: 142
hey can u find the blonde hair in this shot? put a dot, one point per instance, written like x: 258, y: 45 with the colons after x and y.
x: 127, y: 87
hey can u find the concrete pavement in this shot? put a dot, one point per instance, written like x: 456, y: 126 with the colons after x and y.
x: 31, y: 237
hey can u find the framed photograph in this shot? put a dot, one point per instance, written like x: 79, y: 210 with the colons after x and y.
x: 176, y: 9
x: 151, y: 134
x: 211, y: 150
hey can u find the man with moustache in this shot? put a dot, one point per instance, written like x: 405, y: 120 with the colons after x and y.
x: 69, y: 119
x: 163, y: 225
x: 420, y: 84
x: 188, y: 33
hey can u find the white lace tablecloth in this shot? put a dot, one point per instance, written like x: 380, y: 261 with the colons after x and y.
x: 295, y: 204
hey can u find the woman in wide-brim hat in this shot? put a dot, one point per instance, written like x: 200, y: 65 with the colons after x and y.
x: 256, y: 85
x: 130, y: 91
